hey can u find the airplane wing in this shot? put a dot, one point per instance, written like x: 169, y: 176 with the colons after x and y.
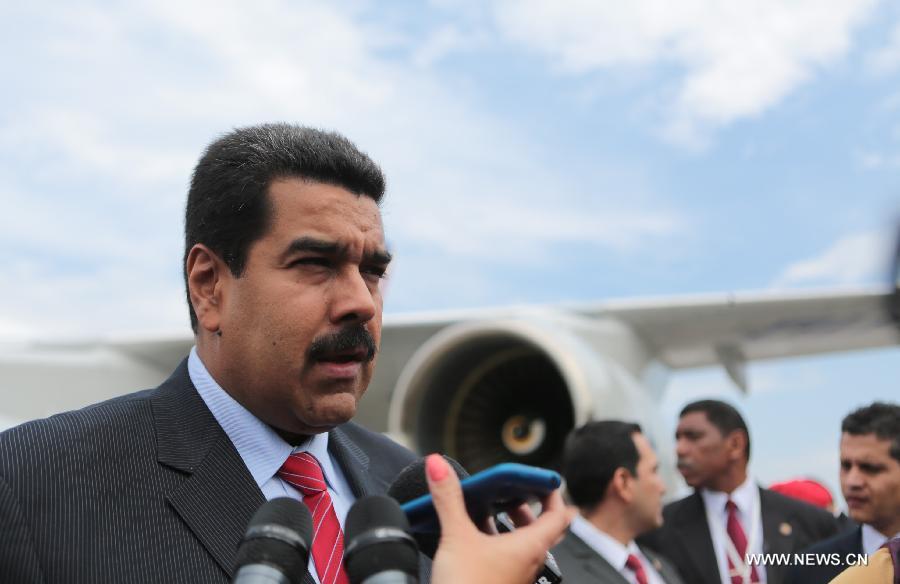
x: 41, y: 378
x: 730, y: 329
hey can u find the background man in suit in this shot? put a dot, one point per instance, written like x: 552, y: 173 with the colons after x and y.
x: 284, y: 255
x: 708, y: 533
x: 612, y: 476
x: 870, y: 483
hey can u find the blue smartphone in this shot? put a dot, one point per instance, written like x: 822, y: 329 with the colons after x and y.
x: 500, y: 488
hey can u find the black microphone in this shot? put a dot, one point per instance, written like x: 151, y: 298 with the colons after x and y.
x: 275, y: 548
x: 380, y: 549
x: 411, y: 484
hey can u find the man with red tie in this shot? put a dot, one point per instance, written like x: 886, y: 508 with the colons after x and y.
x: 709, y: 534
x: 612, y: 476
x: 283, y: 260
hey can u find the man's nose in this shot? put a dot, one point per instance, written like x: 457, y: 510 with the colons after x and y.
x: 853, y: 478
x: 353, y: 299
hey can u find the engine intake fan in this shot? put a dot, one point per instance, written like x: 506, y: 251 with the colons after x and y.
x: 485, y: 395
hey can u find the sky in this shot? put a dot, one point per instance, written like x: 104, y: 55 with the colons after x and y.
x: 537, y: 151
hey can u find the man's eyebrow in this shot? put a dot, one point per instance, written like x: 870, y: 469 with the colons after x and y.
x: 379, y: 256
x: 312, y: 244
x: 302, y: 244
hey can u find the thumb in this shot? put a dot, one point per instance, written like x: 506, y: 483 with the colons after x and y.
x: 446, y: 493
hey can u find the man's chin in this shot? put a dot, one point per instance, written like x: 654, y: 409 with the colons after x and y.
x: 330, y: 411
x: 689, y: 478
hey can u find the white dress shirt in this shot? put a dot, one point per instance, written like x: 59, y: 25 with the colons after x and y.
x: 746, y: 498
x: 872, y: 539
x: 263, y: 450
x: 612, y: 550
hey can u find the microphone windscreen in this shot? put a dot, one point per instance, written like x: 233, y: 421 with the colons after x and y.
x: 377, y: 536
x: 374, y: 511
x: 279, y: 534
x: 410, y: 484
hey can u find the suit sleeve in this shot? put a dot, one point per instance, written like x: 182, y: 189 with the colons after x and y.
x: 18, y: 560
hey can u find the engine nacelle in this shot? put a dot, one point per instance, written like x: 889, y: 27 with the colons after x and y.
x: 511, y: 390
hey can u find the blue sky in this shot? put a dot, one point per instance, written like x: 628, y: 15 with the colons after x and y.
x: 536, y: 151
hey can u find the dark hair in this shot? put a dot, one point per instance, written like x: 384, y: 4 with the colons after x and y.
x: 228, y: 207
x: 881, y: 419
x: 721, y: 415
x: 592, y: 455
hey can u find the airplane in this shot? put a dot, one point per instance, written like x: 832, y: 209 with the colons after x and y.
x: 494, y: 385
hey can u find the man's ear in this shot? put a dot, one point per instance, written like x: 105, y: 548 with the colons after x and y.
x: 621, y: 484
x: 736, y: 443
x: 205, y: 274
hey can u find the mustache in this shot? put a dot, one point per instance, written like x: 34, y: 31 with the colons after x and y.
x: 350, y: 338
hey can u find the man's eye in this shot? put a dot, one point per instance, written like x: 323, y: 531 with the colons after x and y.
x: 377, y: 272
x: 312, y: 261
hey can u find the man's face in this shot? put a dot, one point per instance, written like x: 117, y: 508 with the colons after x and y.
x: 870, y: 481
x: 648, y: 486
x: 701, y: 448
x: 301, y: 325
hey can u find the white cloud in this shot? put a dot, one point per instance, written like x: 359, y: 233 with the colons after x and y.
x: 738, y: 58
x: 445, y: 40
x: 116, y: 298
x: 515, y: 233
x: 83, y: 143
x: 112, y: 105
x: 853, y: 259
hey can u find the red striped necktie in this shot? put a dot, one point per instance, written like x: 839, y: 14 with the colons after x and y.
x: 736, y: 533
x: 303, y: 472
x: 634, y: 564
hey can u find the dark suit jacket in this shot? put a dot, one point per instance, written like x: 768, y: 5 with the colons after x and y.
x: 788, y: 526
x: 849, y: 542
x: 144, y: 488
x: 579, y: 564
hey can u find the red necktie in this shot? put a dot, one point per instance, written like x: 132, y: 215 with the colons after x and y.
x: 736, y: 533
x: 302, y: 471
x: 635, y: 565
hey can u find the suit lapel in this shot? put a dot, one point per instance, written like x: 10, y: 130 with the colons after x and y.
x: 354, y: 463
x: 592, y: 562
x: 219, y: 496
x: 662, y: 569
x: 217, y: 502
x: 696, y: 539
x: 778, y: 534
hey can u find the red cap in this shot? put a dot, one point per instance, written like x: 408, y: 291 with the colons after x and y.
x: 806, y: 490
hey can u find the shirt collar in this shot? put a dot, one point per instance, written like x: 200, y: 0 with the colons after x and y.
x: 260, y: 447
x: 872, y: 539
x: 745, y: 497
x: 604, y: 544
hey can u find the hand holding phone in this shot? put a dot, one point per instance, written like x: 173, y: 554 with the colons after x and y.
x: 497, y: 489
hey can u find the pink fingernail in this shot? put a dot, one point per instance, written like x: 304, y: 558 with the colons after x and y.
x: 436, y: 467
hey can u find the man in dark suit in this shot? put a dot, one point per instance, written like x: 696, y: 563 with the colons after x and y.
x: 709, y: 533
x: 284, y: 255
x: 870, y: 483
x: 612, y: 476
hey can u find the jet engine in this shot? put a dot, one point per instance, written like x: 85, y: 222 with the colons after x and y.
x: 511, y: 390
